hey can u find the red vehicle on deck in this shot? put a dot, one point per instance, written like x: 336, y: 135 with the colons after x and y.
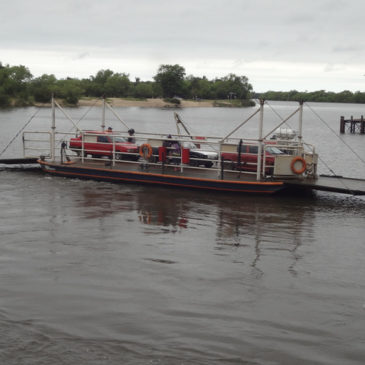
x: 248, y: 158
x: 99, y: 143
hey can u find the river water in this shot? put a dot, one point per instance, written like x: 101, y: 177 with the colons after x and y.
x: 99, y: 273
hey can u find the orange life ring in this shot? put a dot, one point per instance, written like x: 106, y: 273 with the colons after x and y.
x: 294, y: 169
x: 142, y: 150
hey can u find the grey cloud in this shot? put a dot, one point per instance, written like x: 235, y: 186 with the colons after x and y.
x: 196, y: 30
x: 346, y: 49
x: 82, y: 56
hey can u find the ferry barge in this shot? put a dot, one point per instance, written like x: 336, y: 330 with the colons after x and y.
x: 240, y: 166
x: 155, y: 163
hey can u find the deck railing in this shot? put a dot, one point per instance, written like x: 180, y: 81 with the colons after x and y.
x: 38, y: 144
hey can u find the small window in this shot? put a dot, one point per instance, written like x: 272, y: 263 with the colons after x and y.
x: 90, y: 139
x: 253, y: 149
x: 243, y: 148
x: 119, y: 139
x: 103, y: 139
x: 189, y: 145
x: 274, y: 150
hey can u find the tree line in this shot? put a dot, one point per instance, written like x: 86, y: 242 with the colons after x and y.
x: 18, y: 86
x: 345, y: 96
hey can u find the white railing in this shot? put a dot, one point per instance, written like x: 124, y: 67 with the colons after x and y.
x: 36, y: 144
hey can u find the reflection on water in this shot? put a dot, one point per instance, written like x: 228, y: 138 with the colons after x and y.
x: 273, y: 223
x: 129, y: 273
x: 164, y: 208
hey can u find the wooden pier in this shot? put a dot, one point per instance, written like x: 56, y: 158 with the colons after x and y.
x: 352, y: 125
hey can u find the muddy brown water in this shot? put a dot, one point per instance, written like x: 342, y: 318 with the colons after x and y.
x: 100, y: 273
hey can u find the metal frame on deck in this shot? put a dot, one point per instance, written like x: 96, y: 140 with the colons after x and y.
x: 218, y: 144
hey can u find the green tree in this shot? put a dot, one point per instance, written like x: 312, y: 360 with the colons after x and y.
x: 17, y: 80
x: 4, y: 98
x: 14, y: 83
x: 143, y: 90
x: 200, y: 87
x: 102, y: 76
x: 69, y: 90
x: 117, y: 85
x: 359, y: 97
x: 171, y: 80
x: 98, y: 82
x: 91, y: 88
x: 233, y: 86
x: 345, y: 96
x: 42, y: 88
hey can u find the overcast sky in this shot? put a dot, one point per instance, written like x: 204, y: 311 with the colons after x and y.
x: 278, y: 44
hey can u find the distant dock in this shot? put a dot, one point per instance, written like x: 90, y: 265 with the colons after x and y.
x: 352, y: 125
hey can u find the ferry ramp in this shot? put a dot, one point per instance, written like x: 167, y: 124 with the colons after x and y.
x: 332, y: 183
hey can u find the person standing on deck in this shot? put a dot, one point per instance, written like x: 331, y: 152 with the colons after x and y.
x: 131, y: 137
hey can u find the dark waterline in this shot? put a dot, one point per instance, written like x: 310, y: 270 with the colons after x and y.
x: 98, y: 273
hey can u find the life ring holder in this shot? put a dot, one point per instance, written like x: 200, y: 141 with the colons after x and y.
x: 142, y: 151
x: 294, y: 161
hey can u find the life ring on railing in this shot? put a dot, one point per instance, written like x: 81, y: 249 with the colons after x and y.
x: 293, y: 163
x: 142, y: 150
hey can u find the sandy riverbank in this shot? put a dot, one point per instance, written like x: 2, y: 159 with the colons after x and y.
x: 148, y: 103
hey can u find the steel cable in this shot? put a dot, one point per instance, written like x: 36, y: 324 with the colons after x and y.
x: 346, y: 144
x: 17, y: 134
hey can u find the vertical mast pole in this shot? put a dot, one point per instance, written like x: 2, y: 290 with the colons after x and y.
x: 53, y: 131
x: 300, y: 136
x: 103, y: 116
x: 259, y: 152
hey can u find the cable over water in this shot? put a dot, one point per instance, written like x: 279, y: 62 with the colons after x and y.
x: 17, y: 134
x: 327, y: 125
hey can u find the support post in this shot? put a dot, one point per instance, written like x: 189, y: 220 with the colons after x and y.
x: 113, y: 155
x: 259, y: 152
x: 103, y: 116
x: 300, y: 136
x: 53, y: 131
x: 352, y: 128
x: 362, y: 125
x: 342, y: 125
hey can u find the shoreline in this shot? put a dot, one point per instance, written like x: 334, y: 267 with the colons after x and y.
x: 147, y: 103
x: 156, y: 103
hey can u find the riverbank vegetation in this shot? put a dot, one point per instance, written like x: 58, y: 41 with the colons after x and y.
x: 318, y: 96
x: 18, y: 87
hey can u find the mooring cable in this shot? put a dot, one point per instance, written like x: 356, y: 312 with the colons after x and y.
x: 275, y: 112
x: 346, y: 144
x: 82, y: 117
x: 190, y: 129
x: 17, y: 134
x: 334, y: 132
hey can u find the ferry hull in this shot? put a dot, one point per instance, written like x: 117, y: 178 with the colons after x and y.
x: 145, y: 177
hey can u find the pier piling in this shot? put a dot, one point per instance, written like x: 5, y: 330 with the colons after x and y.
x: 353, y: 125
x: 342, y: 125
